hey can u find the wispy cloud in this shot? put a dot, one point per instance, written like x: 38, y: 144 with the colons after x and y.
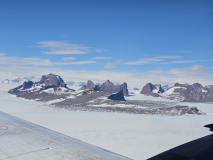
x: 7, y: 60
x: 133, y: 78
x: 101, y: 58
x: 113, y: 64
x: 183, y: 61
x: 159, y: 59
x: 196, y: 69
x: 2, y: 54
x: 191, y: 61
x: 61, y: 47
x: 32, y: 61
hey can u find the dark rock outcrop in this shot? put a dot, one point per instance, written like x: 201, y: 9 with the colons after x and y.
x: 181, y: 92
x: 124, y: 88
x: 52, y: 80
x: 90, y: 85
x: 152, y: 90
x: 38, y: 90
x: 117, y: 96
x: 27, y: 85
x: 147, y: 89
x: 107, y: 87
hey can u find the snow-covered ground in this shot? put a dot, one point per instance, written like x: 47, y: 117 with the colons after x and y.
x: 135, y: 136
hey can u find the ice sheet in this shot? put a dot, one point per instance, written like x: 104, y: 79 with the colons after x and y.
x: 135, y: 136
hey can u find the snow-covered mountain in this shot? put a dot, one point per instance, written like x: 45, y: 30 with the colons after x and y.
x: 91, y: 97
x: 181, y: 92
x: 20, y: 80
x: 165, y: 87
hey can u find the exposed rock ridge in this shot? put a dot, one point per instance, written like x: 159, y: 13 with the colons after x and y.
x: 117, y: 96
x: 181, y: 92
x: 52, y: 80
x: 107, y: 87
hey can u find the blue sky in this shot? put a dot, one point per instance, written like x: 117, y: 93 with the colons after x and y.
x: 122, y: 36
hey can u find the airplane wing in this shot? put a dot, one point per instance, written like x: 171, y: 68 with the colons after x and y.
x: 199, y: 149
x: 20, y: 140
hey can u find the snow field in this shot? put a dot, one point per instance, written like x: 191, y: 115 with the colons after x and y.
x: 135, y: 136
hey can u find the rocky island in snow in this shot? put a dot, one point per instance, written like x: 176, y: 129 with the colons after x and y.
x: 181, y: 92
x: 106, y: 97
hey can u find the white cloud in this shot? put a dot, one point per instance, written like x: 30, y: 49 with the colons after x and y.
x: 183, y: 61
x: 7, y: 60
x: 11, y: 61
x: 159, y: 59
x: 113, y: 64
x: 134, y: 79
x: 2, y: 54
x: 196, y: 69
x: 101, y: 58
x: 61, y: 48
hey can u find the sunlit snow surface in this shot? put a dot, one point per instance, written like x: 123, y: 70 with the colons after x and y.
x: 134, y: 136
x: 23, y: 140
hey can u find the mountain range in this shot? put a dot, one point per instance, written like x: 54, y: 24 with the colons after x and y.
x: 20, y: 80
x: 181, y: 92
x: 108, y: 97
x: 52, y: 87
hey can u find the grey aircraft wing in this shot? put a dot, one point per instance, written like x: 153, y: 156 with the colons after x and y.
x: 199, y: 149
x: 22, y: 140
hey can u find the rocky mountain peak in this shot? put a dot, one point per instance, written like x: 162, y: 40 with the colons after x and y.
x: 150, y: 88
x: 52, y: 80
x: 27, y: 85
x: 108, y: 83
x: 89, y: 85
x: 109, y: 87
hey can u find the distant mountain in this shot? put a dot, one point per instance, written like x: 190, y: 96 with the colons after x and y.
x: 52, y: 87
x: 135, y: 88
x: 72, y: 83
x: 181, y: 92
x: 106, y: 97
x: 20, y: 80
x: 165, y: 87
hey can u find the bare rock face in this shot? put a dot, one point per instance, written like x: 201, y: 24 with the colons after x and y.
x: 210, y: 90
x: 27, y: 85
x: 50, y: 87
x: 117, y: 96
x: 152, y: 90
x: 124, y: 88
x: 90, y: 85
x: 147, y: 89
x: 107, y: 87
x: 52, y: 80
x: 181, y: 92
